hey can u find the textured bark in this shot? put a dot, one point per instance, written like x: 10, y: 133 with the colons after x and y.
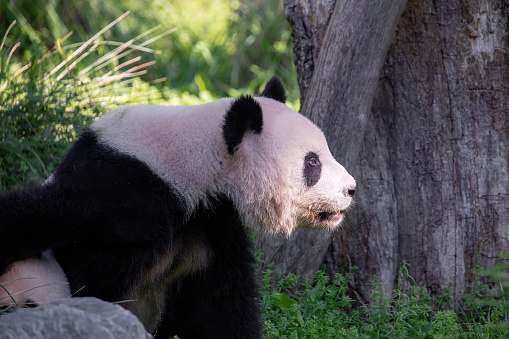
x: 340, y: 94
x: 309, y: 21
x: 432, y: 168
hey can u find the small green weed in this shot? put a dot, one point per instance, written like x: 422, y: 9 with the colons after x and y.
x: 324, y: 309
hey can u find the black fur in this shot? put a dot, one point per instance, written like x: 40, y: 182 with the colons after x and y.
x: 312, y: 169
x: 274, y: 90
x: 109, y: 219
x: 220, y: 302
x: 245, y: 114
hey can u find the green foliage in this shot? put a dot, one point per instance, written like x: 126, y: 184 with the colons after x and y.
x: 325, y: 309
x: 487, y: 304
x: 316, y: 312
x: 500, y: 274
x: 47, y: 100
x: 199, y: 51
x: 218, y: 45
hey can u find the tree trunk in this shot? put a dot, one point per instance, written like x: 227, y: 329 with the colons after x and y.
x: 433, y: 168
x: 309, y: 21
x: 340, y: 94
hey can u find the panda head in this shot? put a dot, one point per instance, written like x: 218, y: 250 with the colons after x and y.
x: 281, y: 174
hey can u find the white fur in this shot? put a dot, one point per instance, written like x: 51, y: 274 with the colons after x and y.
x: 272, y: 191
x: 181, y: 144
x: 184, y: 146
x: 40, y: 280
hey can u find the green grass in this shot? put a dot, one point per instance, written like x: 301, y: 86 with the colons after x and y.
x: 46, y: 100
x: 219, y: 46
x: 324, y: 308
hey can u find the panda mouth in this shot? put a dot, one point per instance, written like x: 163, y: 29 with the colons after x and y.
x: 330, y: 216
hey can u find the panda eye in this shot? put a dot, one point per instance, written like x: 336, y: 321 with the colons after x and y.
x: 312, y: 169
x: 313, y: 162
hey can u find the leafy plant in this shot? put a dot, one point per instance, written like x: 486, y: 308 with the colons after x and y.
x: 218, y: 45
x: 324, y: 309
x: 47, y: 100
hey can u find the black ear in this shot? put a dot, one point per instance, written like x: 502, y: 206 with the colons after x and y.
x: 274, y: 90
x: 244, y: 114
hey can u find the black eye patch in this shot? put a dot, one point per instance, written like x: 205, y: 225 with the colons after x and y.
x: 312, y: 169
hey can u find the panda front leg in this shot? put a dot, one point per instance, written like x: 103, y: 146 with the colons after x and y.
x: 217, y: 303
x: 31, y: 222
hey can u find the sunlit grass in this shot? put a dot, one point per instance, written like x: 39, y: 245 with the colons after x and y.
x: 47, y: 101
x: 230, y: 44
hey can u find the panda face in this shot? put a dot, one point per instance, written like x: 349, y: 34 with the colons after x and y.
x: 328, y: 193
x: 323, y: 188
x: 285, y: 175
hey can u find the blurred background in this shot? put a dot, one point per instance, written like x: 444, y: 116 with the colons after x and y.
x: 65, y: 62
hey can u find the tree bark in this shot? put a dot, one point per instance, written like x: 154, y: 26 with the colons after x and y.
x: 340, y: 94
x: 309, y: 21
x: 432, y: 168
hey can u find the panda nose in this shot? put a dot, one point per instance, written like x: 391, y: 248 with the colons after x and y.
x: 349, y: 191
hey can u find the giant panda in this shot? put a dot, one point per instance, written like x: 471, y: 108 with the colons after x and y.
x: 150, y: 204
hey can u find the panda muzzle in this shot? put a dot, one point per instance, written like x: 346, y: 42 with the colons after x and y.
x: 329, y: 215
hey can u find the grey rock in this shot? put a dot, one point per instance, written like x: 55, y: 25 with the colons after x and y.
x: 74, y: 318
